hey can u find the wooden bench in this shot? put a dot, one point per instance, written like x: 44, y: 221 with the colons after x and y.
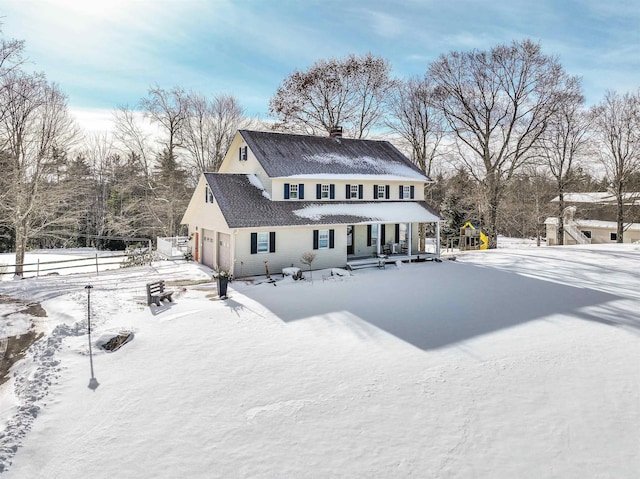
x: 156, y: 293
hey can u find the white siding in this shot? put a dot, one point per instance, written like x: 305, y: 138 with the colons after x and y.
x: 291, y: 244
x: 231, y: 163
x: 277, y: 188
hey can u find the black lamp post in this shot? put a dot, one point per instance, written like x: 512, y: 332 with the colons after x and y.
x: 93, y: 382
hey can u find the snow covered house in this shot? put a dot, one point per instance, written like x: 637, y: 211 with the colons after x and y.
x: 590, y: 218
x: 278, y: 196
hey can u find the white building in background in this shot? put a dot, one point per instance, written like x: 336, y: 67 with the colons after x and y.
x: 590, y: 218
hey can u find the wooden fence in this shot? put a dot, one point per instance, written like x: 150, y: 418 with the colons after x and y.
x: 96, y: 261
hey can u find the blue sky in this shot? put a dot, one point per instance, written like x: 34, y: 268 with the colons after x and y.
x: 106, y: 53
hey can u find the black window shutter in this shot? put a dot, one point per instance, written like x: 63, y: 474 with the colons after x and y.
x: 206, y: 194
x: 412, y: 193
x: 254, y: 243
x: 318, y: 191
x: 360, y: 192
x: 240, y: 154
x: 386, y: 191
x: 332, y: 192
x: 368, y: 235
x: 315, y: 239
x: 272, y: 242
x: 383, y: 234
x: 375, y: 192
x: 401, y: 192
x: 286, y: 191
x: 397, y: 233
x: 301, y: 191
x: 347, y: 195
x: 331, y: 238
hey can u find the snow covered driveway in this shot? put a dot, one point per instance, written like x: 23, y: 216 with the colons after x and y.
x: 458, y: 369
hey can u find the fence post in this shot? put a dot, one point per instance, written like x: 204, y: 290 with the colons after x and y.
x: 97, y: 270
x: 38, y: 269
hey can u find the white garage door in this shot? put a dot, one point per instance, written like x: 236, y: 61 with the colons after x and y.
x: 208, y: 243
x: 224, y: 251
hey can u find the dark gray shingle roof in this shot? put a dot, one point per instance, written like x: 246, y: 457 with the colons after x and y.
x: 284, y: 154
x: 244, y: 206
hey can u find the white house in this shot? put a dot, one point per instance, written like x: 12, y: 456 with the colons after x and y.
x: 278, y: 196
x: 590, y: 218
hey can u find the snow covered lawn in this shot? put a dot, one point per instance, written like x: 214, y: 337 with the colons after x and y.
x: 522, y: 362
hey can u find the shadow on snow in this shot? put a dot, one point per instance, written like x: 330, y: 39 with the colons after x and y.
x: 448, y: 303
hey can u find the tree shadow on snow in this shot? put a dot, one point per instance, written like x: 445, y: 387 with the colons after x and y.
x: 448, y: 304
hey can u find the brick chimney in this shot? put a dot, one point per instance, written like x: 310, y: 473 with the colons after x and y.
x: 336, y: 132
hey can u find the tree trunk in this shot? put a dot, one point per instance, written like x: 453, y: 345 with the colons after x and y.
x: 21, y: 246
x: 620, y: 214
x: 561, y: 220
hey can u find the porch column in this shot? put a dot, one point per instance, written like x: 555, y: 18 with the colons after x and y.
x: 438, y: 239
x: 409, y: 238
x: 378, y: 241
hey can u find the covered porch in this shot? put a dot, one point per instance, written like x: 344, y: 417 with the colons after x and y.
x: 397, y: 241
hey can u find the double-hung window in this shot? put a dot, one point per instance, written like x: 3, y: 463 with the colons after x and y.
x: 324, y: 192
x: 263, y: 242
x: 293, y: 191
x: 406, y: 192
x: 381, y: 191
x: 323, y: 239
x: 354, y: 192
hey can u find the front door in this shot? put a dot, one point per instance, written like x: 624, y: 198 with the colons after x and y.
x: 350, y: 239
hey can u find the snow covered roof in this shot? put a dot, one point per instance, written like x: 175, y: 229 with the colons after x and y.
x: 287, y: 155
x: 599, y: 197
x: 245, y: 204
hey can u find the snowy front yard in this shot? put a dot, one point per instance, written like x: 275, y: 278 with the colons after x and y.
x: 521, y: 363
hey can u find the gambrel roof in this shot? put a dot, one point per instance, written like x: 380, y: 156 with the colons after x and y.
x: 245, y: 204
x: 287, y: 155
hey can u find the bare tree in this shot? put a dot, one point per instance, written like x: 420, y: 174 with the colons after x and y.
x: 209, y: 129
x: 168, y: 110
x: 563, y: 144
x: 349, y: 92
x: 497, y: 104
x: 617, y: 123
x: 34, y: 124
x: 414, y: 116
